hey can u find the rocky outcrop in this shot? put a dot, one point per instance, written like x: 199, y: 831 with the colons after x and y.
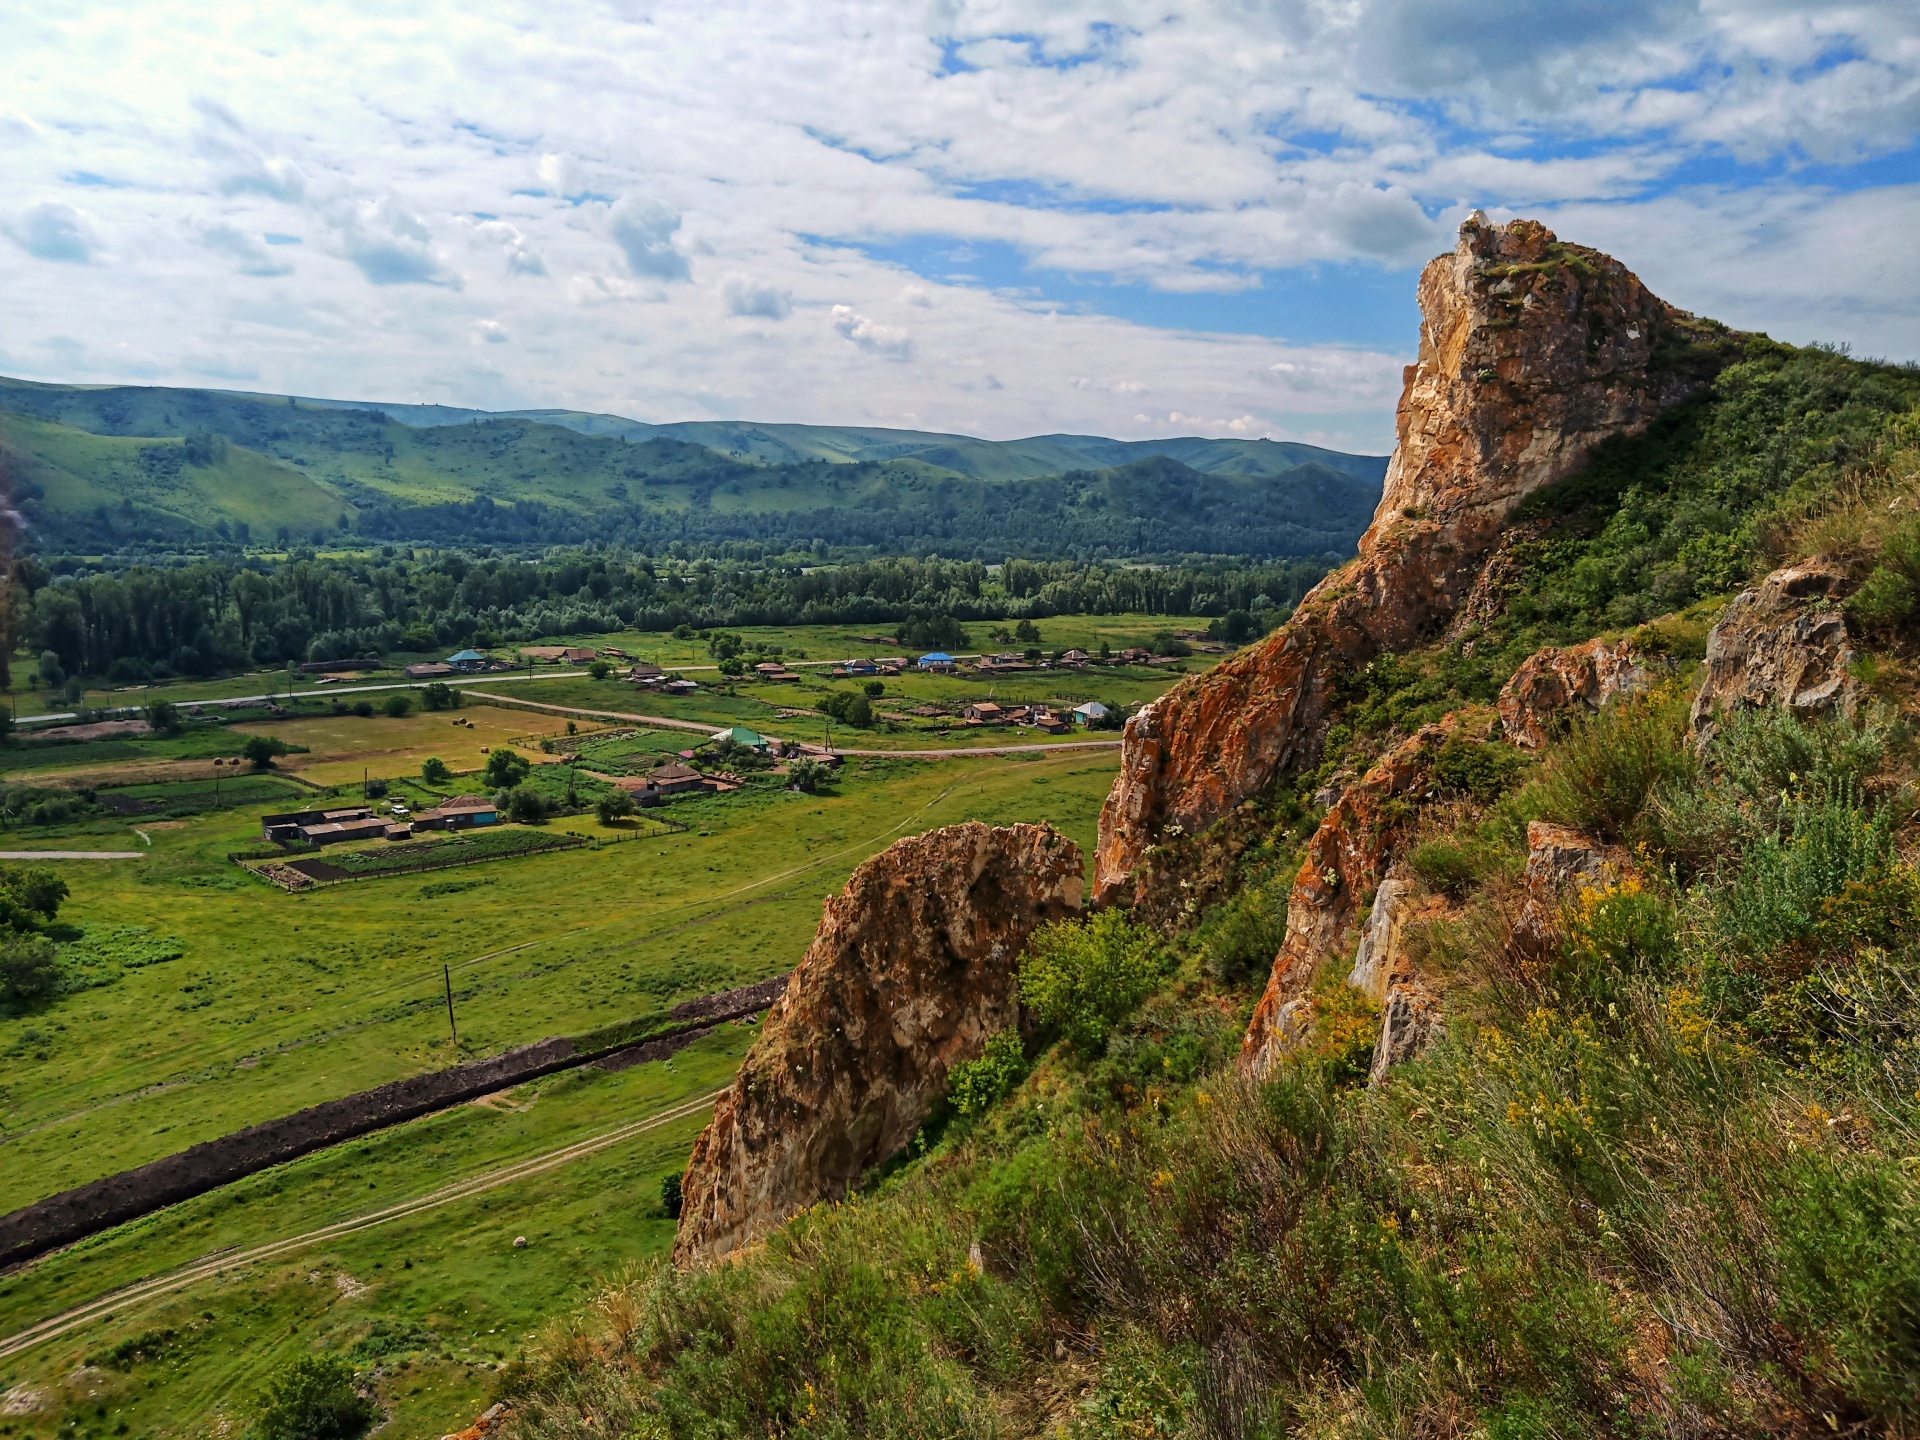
x: 1561, y: 861
x: 1553, y: 684
x: 911, y: 971
x: 1347, y: 858
x: 1784, y: 644
x: 1531, y: 353
x: 1383, y: 968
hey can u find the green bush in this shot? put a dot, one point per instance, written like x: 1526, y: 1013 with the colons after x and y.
x: 374, y: 789
x: 1449, y: 867
x: 600, y: 669
x: 30, y: 897
x: 434, y: 771
x: 260, y: 750
x: 164, y: 717
x: 976, y: 1086
x: 524, y: 804
x: 398, y: 704
x: 615, y: 805
x: 440, y: 696
x: 1240, y: 939
x: 874, y: 689
x: 1083, y: 976
x: 808, y: 776
x: 313, y: 1398
x: 364, y: 709
x: 1850, y: 1276
x: 1481, y: 769
x: 1601, y: 778
x: 29, y: 970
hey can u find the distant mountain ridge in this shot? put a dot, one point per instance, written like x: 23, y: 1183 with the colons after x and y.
x: 115, y: 467
x: 1029, y: 458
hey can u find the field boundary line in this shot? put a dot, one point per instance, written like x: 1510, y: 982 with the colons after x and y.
x: 196, y: 1271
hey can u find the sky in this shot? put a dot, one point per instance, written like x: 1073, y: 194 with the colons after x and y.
x: 1000, y: 218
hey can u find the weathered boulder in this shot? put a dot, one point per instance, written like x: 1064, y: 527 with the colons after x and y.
x: 911, y: 971
x: 1531, y: 353
x: 1348, y: 856
x: 1561, y: 861
x: 1784, y: 643
x: 1553, y: 683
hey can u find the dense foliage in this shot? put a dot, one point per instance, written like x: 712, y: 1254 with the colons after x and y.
x: 194, y: 619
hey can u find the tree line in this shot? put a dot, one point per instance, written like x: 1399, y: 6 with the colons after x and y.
x: 149, y: 622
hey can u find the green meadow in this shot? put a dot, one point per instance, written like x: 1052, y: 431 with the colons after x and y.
x: 804, y: 642
x: 214, y: 1001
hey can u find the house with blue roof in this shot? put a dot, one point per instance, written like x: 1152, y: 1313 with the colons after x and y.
x: 935, y: 660
x: 467, y: 660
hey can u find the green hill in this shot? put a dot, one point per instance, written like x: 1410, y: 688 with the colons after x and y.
x: 115, y: 466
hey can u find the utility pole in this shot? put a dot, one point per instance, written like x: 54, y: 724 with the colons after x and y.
x: 447, y: 972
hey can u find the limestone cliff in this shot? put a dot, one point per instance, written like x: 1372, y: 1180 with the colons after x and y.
x: 1531, y: 353
x: 910, y: 972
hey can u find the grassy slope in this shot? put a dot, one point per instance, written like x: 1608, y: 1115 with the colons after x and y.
x: 339, y: 990
x: 452, y: 1272
x: 1658, y: 1179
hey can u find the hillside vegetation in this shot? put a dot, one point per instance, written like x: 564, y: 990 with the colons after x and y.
x: 115, y: 467
x: 1660, y: 1175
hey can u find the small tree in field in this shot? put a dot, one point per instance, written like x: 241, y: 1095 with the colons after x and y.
x: 614, y: 806
x: 440, y: 696
x: 313, y: 1398
x: 434, y: 771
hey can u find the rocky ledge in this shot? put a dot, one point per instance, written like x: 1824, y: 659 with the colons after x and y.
x: 912, y: 969
x: 1531, y: 353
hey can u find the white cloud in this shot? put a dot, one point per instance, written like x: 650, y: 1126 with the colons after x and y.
x: 252, y: 256
x: 490, y: 332
x: 889, y: 340
x: 644, y: 230
x: 53, y: 231
x: 746, y: 296
x: 454, y: 167
x: 389, y: 244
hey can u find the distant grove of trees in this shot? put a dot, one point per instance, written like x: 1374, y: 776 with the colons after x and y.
x: 195, y: 618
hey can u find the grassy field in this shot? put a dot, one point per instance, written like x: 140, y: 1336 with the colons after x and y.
x: 811, y: 642
x: 277, y: 1001
x: 206, y: 1000
x: 341, y: 748
x: 440, y: 1300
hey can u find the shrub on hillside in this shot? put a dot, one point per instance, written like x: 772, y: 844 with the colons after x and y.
x: 1240, y: 939
x: 434, y: 771
x: 29, y: 970
x: 976, y: 1086
x: 439, y: 696
x: 398, y: 705
x: 313, y: 1398
x: 613, y: 807
x: 1081, y: 977
x: 1477, y: 768
x: 1602, y: 776
x: 260, y: 750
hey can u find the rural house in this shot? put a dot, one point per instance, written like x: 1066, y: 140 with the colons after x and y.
x: 463, y: 812
x: 984, y: 712
x: 429, y: 670
x: 467, y: 661
x: 1091, y: 713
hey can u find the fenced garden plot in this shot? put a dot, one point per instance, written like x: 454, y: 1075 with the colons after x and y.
x: 174, y: 798
x: 408, y: 857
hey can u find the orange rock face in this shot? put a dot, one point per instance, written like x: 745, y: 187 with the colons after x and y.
x: 911, y: 971
x: 1531, y: 353
x: 1555, y: 683
x: 1348, y: 856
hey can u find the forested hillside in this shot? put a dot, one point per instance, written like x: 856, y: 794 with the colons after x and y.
x: 120, y: 468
